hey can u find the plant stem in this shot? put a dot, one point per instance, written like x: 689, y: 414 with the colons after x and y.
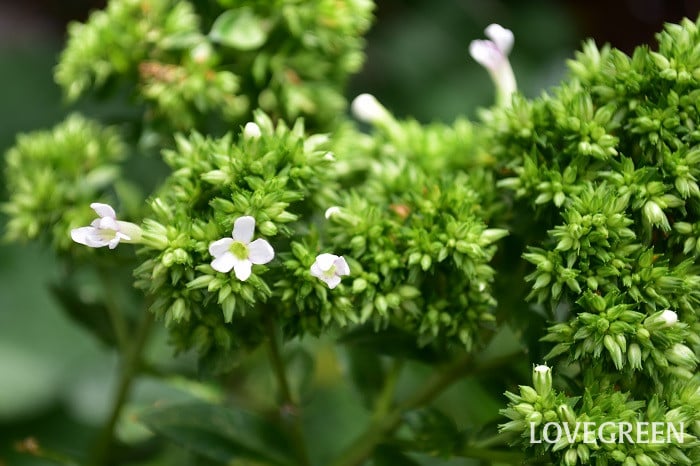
x: 116, y: 318
x: 288, y: 403
x: 386, y: 397
x: 131, y: 360
x: 380, y: 427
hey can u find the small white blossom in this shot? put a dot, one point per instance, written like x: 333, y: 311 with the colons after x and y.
x: 238, y: 252
x: 329, y: 268
x: 669, y: 317
x: 106, y: 230
x: 329, y: 156
x: 251, y: 131
x: 492, y: 54
x: 332, y: 211
x: 366, y: 108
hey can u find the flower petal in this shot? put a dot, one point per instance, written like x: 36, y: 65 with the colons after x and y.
x: 332, y: 282
x: 260, y: 252
x: 243, y: 229
x: 104, y: 210
x: 486, y: 53
x: 108, y: 223
x: 220, y: 246
x: 114, y: 242
x: 502, y: 37
x: 224, y: 263
x: 81, y: 235
x: 341, y: 266
x: 243, y: 269
x: 316, y: 270
x: 325, y: 261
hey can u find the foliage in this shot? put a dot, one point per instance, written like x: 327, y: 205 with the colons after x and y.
x: 578, y: 206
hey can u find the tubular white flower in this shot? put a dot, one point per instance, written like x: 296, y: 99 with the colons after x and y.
x: 366, y: 108
x: 251, y: 131
x: 106, y: 230
x: 329, y: 268
x: 238, y: 252
x: 493, y: 55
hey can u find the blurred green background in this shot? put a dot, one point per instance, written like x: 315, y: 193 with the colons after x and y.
x: 55, y: 379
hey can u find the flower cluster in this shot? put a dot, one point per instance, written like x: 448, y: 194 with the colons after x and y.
x: 605, y: 163
x: 255, y: 54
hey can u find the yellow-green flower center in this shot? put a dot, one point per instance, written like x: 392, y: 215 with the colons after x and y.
x: 239, y: 250
x: 330, y: 272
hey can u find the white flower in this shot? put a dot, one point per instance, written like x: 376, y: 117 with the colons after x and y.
x: 493, y: 55
x: 366, y: 108
x: 251, y: 131
x: 331, y: 211
x: 669, y: 317
x: 329, y: 268
x: 106, y: 230
x: 237, y: 252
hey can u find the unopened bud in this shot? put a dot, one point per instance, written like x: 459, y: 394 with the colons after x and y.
x: 542, y: 379
x: 251, y: 131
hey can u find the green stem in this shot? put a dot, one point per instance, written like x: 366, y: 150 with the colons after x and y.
x: 380, y: 427
x: 288, y: 404
x: 386, y: 397
x: 116, y: 318
x: 131, y: 360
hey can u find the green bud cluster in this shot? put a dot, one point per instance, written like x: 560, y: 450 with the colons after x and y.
x: 290, y: 59
x: 276, y: 178
x: 607, y: 161
x: 53, y: 176
x: 532, y: 408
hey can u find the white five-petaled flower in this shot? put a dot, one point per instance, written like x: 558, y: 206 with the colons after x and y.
x: 492, y: 54
x: 238, y: 252
x: 106, y: 230
x: 329, y: 268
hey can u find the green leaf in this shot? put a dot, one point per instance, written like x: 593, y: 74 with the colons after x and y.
x: 241, y: 29
x: 220, y: 433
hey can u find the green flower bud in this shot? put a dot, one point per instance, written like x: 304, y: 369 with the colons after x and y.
x: 614, y: 350
x: 634, y: 356
x: 524, y: 408
x: 583, y: 453
x: 566, y: 414
x: 571, y: 457
x: 528, y: 394
x: 542, y: 379
x: 681, y: 355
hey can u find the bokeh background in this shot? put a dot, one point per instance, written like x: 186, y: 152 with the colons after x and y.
x: 55, y: 379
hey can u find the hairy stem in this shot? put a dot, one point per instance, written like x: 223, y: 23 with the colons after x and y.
x: 131, y: 360
x: 382, y: 426
x: 288, y: 404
